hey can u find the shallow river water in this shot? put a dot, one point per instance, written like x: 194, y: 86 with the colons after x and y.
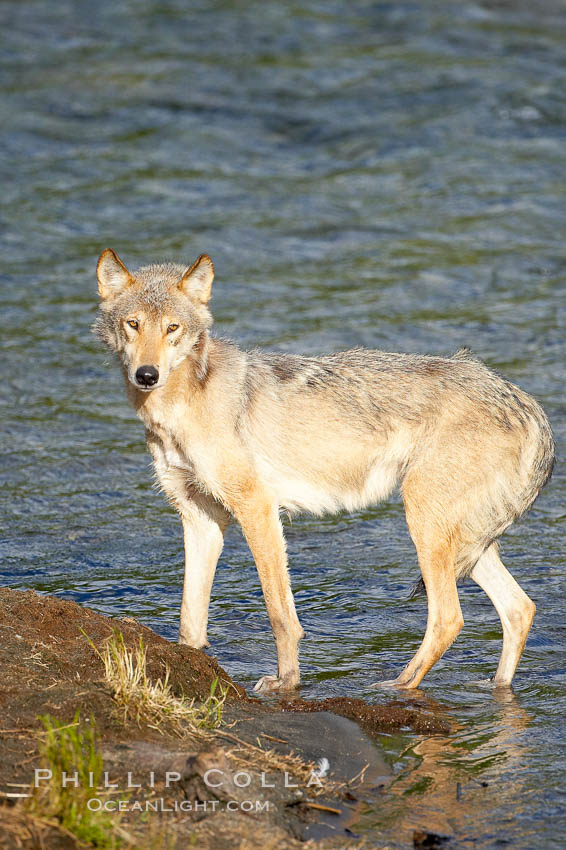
x: 383, y: 174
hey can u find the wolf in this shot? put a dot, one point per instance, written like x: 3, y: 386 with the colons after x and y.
x: 242, y: 436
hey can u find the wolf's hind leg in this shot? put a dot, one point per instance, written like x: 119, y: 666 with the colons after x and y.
x: 445, y: 618
x: 436, y: 553
x: 203, y: 529
x: 515, y: 609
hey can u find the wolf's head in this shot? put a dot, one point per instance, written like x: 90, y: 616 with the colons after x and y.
x: 155, y: 318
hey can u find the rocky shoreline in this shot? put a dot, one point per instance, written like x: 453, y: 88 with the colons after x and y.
x: 260, y: 779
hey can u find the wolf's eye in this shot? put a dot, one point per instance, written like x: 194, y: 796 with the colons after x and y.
x: 133, y: 323
x: 172, y: 328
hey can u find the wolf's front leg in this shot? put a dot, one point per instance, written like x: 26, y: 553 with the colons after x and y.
x: 204, y: 522
x: 203, y: 530
x: 259, y: 518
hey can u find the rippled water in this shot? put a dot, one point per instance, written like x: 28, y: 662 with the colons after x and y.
x: 384, y: 174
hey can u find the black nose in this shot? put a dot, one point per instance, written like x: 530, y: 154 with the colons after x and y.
x: 147, y: 376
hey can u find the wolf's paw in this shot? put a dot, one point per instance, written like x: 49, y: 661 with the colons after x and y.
x: 195, y: 644
x: 268, y: 684
x: 388, y: 683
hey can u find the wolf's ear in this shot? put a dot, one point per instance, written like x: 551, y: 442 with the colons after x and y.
x: 113, y: 276
x: 197, y: 280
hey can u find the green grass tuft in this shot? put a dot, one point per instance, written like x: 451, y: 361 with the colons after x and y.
x: 70, y: 752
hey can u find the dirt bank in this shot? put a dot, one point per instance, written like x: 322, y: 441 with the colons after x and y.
x: 49, y: 667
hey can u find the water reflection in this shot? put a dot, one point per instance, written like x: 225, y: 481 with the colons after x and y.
x: 457, y: 784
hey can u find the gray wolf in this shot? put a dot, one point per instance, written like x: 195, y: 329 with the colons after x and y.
x: 240, y: 436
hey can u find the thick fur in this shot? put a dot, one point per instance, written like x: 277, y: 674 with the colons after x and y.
x: 242, y: 435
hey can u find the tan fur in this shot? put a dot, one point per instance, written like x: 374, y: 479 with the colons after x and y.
x: 242, y: 435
